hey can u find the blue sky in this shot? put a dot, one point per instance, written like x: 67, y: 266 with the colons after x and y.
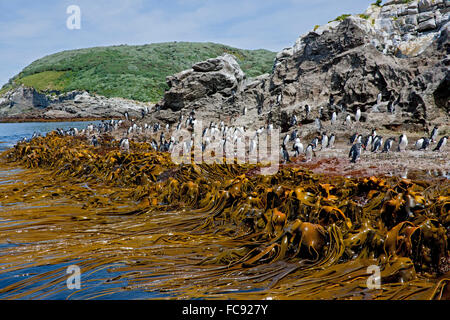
x: 30, y: 29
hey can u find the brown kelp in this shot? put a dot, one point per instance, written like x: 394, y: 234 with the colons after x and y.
x: 219, y: 230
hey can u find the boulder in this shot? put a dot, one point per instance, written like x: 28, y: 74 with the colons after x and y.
x: 218, y: 77
x: 427, y: 25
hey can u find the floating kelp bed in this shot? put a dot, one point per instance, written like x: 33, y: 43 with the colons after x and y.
x: 212, y: 231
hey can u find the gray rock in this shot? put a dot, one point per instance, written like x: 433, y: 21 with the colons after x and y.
x: 218, y: 77
x: 427, y: 25
x: 424, y: 5
x: 412, y: 11
x: 425, y: 16
x: 412, y: 19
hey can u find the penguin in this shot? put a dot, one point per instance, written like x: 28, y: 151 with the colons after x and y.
x: 298, y: 147
x: 355, y: 152
x: 154, y: 145
x: 126, y: 115
x: 419, y: 144
x: 324, y: 141
x: 309, y: 152
x: 367, y: 142
x: 331, y: 141
x: 377, y: 143
x: 315, y: 143
x: 374, y: 133
x: 333, y: 118
x: 294, y: 120
x: 348, y: 120
x: 94, y: 141
x: 353, y: 138
x: 293, y: 135
x: 402, y: 142
x: 320, y: 112
x: 245, y: 111
x: 285, y: 154
x: 422, y: 143
x: 307, y: 110
x: 358, y: 115
x: 441, y: 144
x: 286, y: 139
x: 388, y: 145
x: 434, y: 134
x: 125, y: 144
x: 359, y: 139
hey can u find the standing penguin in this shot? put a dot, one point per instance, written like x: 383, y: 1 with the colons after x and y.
x: 331, y: 141
x: 298, y: 147
x: 324, y: 141
x: 355, y: 152
x: 333, y: 118
x: 422, y: 143
x: 307, y: 110
x: 388, y: 145
x: 293, y: 135
x: 286, y: 140
x: 309, y: 152
x: 94, y: 141
x: 353, y: 138
x: 434, y: 134
x: 348, y: 120
x: 314, y: 143
x: 125, y: 144
x: 367, y: 142
x: 441, y: 144
x: 402, y: 142
x: 285, y: 154
x: 377, y: 143
x: 358, y: 115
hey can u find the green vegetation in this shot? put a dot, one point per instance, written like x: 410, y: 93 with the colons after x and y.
x: 363, y: 16
x: 132, y: 72
x: 377, y: 3
x: 316, y: 27
x: 341, y: 17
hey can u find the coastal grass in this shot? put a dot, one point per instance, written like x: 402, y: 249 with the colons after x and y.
x: 131, y: 72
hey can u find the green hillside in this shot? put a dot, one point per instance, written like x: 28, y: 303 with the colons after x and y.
x: 133, y: 72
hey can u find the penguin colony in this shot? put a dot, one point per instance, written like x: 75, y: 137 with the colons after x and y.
x: 291, y: 144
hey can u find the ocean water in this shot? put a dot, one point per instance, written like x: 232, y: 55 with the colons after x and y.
x: 10, y: 133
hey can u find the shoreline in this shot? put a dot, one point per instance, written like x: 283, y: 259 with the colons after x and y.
x: 23, y: 120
